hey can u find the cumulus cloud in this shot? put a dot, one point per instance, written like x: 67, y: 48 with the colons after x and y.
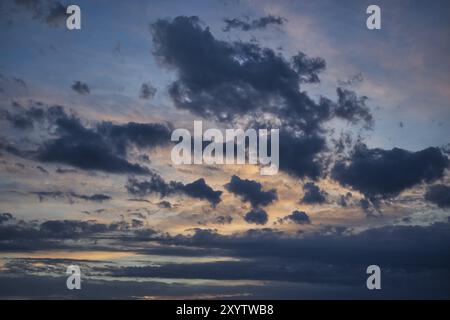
x: 313, y: 194
x: 251, y: 191
x: 256, y: 216
x: 101, y: 147
x: 225, y: 80
x: 157, y: 185
x: 386, y: 173
x: 297, y: 217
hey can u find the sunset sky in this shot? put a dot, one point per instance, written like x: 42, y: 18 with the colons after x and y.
x: 86, y: 176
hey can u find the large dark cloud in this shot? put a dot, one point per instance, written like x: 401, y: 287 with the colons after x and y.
x: 313, y: 194
x: 386, y: 173
x: 260, y: 23
x: 100, y: 147
x: 157, y: 185
x: 251, y: 191
x: 226, y: 80
x: 299, y: 154
x: 439, y: 195
x: 399, y: 246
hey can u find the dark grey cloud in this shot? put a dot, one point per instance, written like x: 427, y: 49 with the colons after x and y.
x: 298, y: 217
x: 157, y: 185
x: 344, y: 199
x: 41, y: 169
x: 22, y: 118
x: 147, y: 91
x: 299, y: 155
x: 50, y: 12
x: 439, y: 194
x: 399, y: 246
x: 259, y: 23
x: 225, y: 80
x: 251, y: 191
x: 352, y: 108
x: 101, y: 147
x: 386, y: 173
x: 313, y: 194
x: 45, y: 195
x: 5, y: 217
x: 80, y: 87
x: 33, y: 235
x: 256, y: 216
x: 223, y: 219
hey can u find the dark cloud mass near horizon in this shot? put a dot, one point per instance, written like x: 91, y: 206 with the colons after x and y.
x: 86, y: 177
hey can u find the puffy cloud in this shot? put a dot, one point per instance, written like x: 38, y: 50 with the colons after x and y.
x: 298, y: 217
x: 386, y: 173
x: 313, y: 194
x: 156, y: 185
x: 102, y: 147
x: 256, y: 216
x: 439, y: 195
x: 251, y: 191
x: 226, y: 80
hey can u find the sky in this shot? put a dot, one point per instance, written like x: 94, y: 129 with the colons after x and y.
x: 86, y: 176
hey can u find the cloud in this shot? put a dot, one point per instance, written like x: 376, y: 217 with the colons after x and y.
x: 251, y: 191
x: 101, y: 147
x: 256, y: 216
x: 242, y: 81
x: 439, y: 194
x: 352, y: 108
x: 299, y: 154
x: 80, y: 87
x: 224, y: 80
x: 344, y: 199
x: 260, y: 23
x: 5, y: 217
x: 156, y: 185
x: 298, y: 217
x: 386, y: 173
x: 147, y: 91
x: 313, y: 194
x: 44, y: 195
x: 223, y: 220
x: 50, y: 12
